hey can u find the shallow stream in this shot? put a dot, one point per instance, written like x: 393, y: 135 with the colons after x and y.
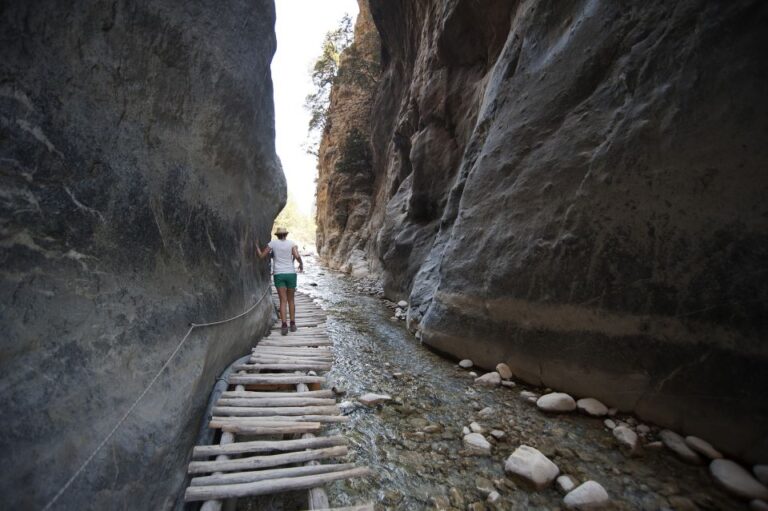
x: 418, y: 470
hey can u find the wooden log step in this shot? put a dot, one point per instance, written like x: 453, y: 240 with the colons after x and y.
x: 288, y: 359
x: 265, y: 352
x: 261, y: 475
x: 264, y: 429
x: 285, y: 366
x: 250, y: 394
x: 272, y: 460
x: 311, y: 351
x: 249, y: 411
x: 308, y: 342
x: 277, y: 401
x: 216, y: 492
x: 273, y: 379
x: 262, y: 446
x: 271, y: 419
x: 359, y: 507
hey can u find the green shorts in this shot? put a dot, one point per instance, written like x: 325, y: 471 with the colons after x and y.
x: 285, y: 280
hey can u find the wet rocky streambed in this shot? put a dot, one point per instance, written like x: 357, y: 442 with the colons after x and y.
x: 414, y: 443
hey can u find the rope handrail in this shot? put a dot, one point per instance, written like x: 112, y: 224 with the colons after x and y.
x: 125, y: 416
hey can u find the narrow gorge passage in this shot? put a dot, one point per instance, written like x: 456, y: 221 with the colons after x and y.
x: 563, y: 203
x: 413, y: 443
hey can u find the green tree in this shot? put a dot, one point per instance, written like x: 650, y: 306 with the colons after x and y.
x: 300, y: 226
x: 324, y: 73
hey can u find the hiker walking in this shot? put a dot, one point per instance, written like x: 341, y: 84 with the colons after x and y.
x: 283, y: 253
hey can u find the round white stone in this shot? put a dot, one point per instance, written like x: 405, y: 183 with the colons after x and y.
x: 371, y: 399
x: 504, y: 371
x: 609, y: 423
x: 737, y: 480
x: 565, y: 483
x: 591, y: 406
x: 466, y: 363
x: 402, y: 304
x: 676, y: 444
x: 476, y: 443
x: 489, y: 379
x: 556, y: 402
x: 589, y: 495
x: 703, y: 447
x: 626, y: 437
x: 531, y: 466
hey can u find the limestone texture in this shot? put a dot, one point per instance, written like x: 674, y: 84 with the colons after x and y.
x: 137, y: 166
x: 577, y: 188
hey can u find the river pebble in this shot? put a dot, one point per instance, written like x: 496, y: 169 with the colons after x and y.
x: 627, y: 438
x: 588, y: 495
x: 372, y: 399
x: 676, y: 444
x: 531, y: 466
x: 492, y: 379
x: 498, y: 434
x: 565, y: 483
x: 737, y: 480
x: 466, y: 363
x: 504, y: 371
x: 591, y: 406
x: 508, y: 383
x: 484, y: 486
x: 493, y: 497
x: 609, y: 423
x: 556, y: 402
x: 476, y: 428
x: 486, y: 412
x: 477, y: 444
x: 457, y: 499
x: 402, y: 303
x: 702, y: 447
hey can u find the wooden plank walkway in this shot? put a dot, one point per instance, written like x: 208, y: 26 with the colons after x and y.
x: 271, y: 420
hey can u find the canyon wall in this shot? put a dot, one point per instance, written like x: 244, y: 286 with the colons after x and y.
x: 345, y: 175
x: 137, y: 165
x: 577, y: 188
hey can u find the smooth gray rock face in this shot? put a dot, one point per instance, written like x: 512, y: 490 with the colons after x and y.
x: 579, y: 189
x: 137, y: 166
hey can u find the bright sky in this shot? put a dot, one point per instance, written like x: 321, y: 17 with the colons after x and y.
x: 301, y: 26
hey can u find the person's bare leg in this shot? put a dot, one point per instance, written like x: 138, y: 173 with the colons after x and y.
x: 292, y: 304
x: 282, y: 293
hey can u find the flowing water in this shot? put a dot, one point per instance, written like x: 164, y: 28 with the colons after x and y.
x: 419, y: 470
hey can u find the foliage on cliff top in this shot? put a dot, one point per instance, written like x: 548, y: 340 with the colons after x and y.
x: 343, y: 60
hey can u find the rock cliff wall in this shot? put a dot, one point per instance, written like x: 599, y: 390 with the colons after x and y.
x: 576, y: 188
x: 345, y: 173
x: 137, y: 165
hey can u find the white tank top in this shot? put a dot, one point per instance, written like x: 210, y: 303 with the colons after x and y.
x: 282, y: 257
